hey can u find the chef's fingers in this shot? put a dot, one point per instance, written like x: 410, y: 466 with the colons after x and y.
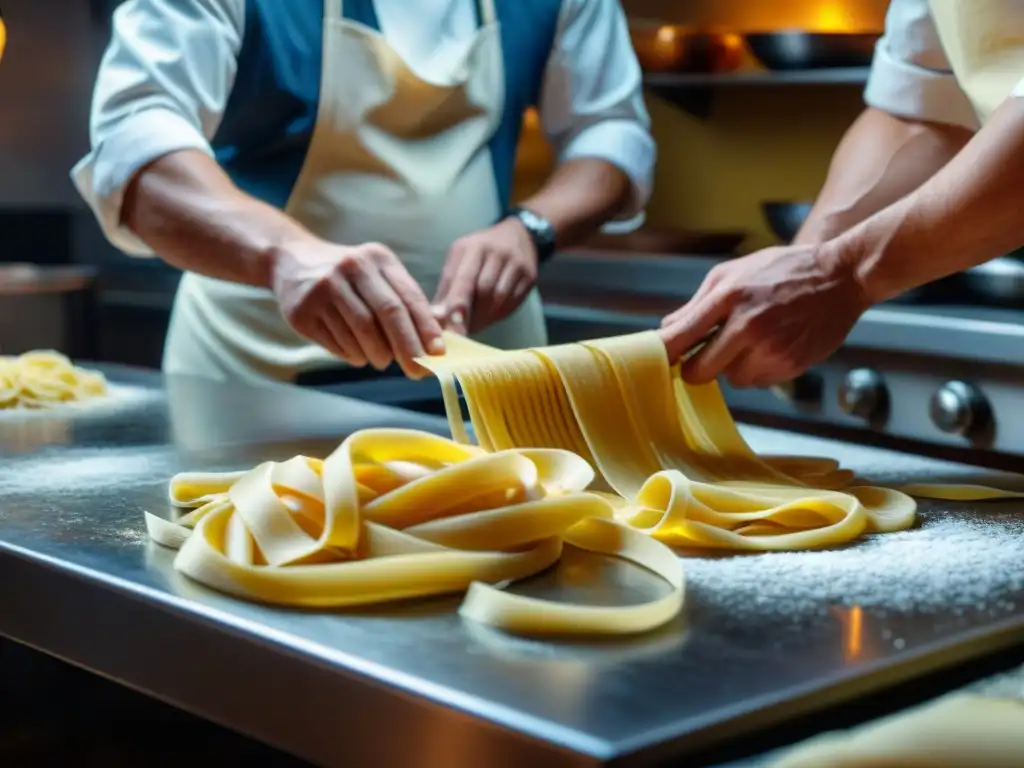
x: 719, y: 352
x: 709, y: 282
x: 768, y: 372
x: 523, y: 285
x: 451, y: 265
x: 361, y: 319
x: 757, y: 368
x: 512, y: 285
x: 505, y: 285
x: 693, y: 326
x: 459, y: 302
x: 522, y: 289
x: 488, y: 303
x: 492, y: 265
x: 745, y: 369
x: 394, y: 319
x: 333, y: 328
x: 427, y: 324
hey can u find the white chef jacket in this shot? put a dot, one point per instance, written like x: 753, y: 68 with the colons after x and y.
x: 911, y: 76
x: 167, y: 74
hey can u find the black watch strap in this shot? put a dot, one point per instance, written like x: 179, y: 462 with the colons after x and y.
x: 541, y: 232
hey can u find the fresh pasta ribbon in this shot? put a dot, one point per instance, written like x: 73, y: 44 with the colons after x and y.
x: 669, y: 451
x: 599, y: 445
x: 44, y: 379
x: 394, y: 514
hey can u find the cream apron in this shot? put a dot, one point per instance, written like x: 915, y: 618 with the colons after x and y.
x: 984, y: 42
x: 398, y: 157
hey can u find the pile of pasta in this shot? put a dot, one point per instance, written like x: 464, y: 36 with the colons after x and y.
x: 598, y: 445
x: 44, y: 379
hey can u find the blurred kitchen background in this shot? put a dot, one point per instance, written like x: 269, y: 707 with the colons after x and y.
x: 727, y: 142
x: 748, y: 100
x: 770, y: 139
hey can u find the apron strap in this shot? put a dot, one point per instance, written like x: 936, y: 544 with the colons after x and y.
x: 335, y: 10
x: 486, y: 12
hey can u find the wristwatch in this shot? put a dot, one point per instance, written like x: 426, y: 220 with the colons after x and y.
x: 539, y: 229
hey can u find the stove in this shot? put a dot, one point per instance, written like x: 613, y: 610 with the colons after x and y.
x: 942, y: 379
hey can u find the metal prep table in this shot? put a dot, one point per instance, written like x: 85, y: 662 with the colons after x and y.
x: 413, y: 684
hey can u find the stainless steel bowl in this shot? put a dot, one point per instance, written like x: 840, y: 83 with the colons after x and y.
x: 999, y: 282
x: 812, y: 50
x: 785, y: 219
x: 669, y: 48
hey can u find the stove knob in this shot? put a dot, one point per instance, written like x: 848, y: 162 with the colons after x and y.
x: 864, y: 394
x: 959, y: 408
x: 803, y: 390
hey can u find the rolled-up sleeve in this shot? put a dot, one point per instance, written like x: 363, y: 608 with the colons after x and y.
x: 162, y: 87
x: 911, y: 76
x: 592, y: 102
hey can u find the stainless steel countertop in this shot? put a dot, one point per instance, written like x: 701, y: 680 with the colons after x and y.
x: 413, y: 684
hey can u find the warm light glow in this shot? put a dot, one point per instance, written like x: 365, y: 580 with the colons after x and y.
x: 831, y: 16
x: 665, y: 35
x: 853, y: 633
x: 733, y: 44
x: 531, y: 120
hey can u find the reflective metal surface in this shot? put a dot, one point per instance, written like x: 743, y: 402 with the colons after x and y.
x: 762, y: 639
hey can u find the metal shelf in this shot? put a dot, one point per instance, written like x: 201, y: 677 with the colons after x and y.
x: 695, y: 92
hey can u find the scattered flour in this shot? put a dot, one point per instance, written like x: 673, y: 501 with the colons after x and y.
x: 955, y: 560
x: 118, y: 399
x: 89, y: 470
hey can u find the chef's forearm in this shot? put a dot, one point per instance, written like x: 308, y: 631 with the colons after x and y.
x: 880, y: 159
x: 581, y: 196
x: 186, y: 209
x: 968, y: 213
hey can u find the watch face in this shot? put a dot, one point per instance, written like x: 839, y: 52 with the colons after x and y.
x: 540, y: 229
x: 531, y: 220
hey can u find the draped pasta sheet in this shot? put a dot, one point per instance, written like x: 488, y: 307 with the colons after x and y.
x: 598, y: 445
x: 668, y: 454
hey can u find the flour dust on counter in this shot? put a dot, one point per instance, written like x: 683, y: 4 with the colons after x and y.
x: 113, y: 400
x: 962, y: 559
x: 75, y: 471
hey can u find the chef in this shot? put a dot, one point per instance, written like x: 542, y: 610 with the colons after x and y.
x: 928, y: 182
x: 334, y: 176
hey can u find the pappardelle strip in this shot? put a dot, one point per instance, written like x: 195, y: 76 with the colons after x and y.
x: 669, y: 452
x: 395, y: 514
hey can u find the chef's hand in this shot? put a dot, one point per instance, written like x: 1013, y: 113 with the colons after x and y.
x: 358, y: 302
x: 486, y: 277
x: 777, y: 312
